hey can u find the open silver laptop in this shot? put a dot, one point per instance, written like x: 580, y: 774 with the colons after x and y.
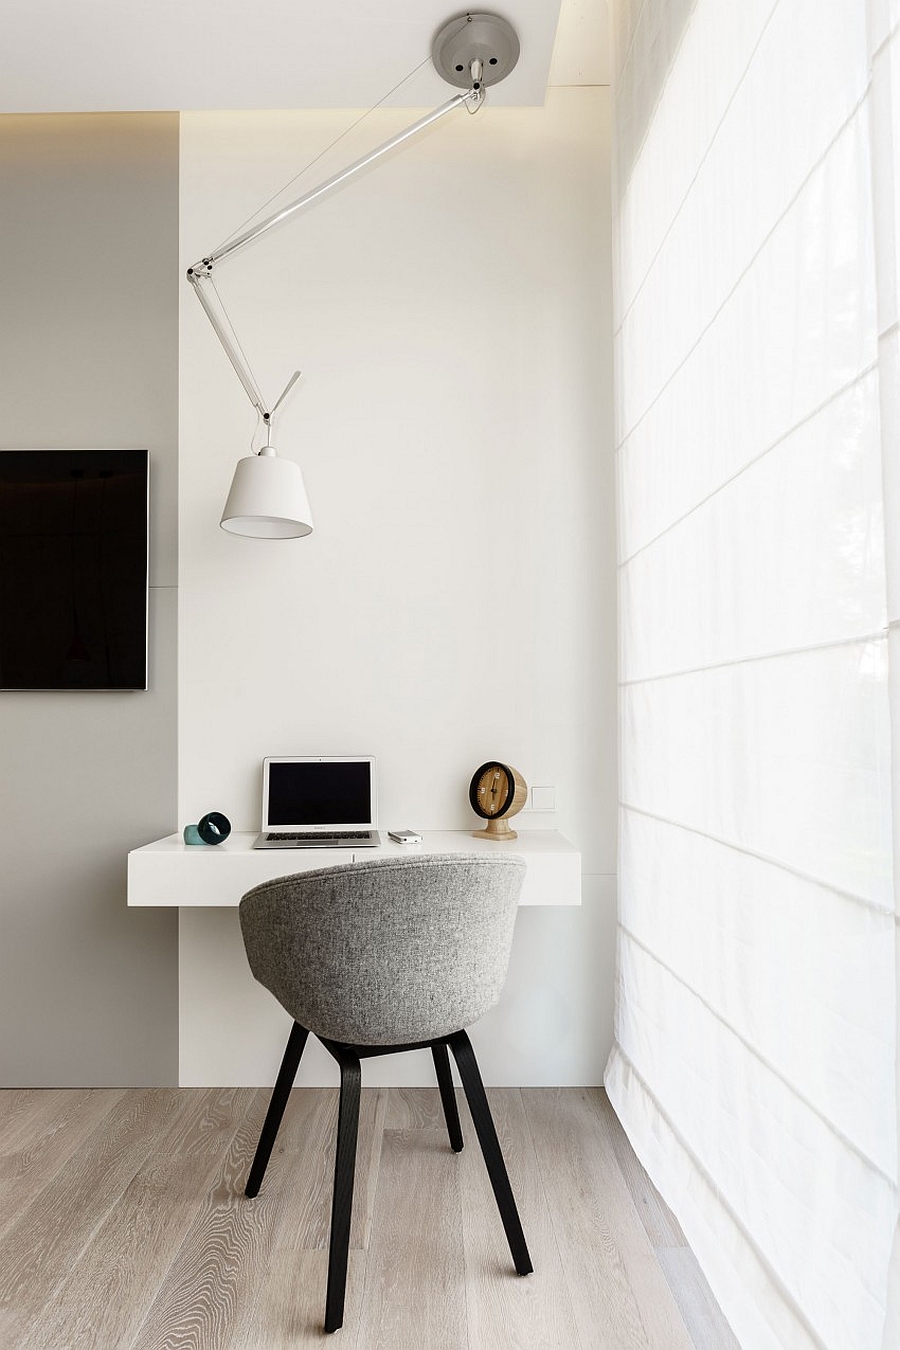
x: 318, y: 801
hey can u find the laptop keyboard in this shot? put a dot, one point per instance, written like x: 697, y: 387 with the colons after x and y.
x: 319, y: 834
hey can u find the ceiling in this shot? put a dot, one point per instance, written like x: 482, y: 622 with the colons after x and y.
x: 151, y: 55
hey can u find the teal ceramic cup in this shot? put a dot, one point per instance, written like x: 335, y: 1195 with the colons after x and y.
x: 212, y: 829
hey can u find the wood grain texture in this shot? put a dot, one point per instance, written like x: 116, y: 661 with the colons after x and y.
x: 701, y: 1312
x: 532, y: 1311
x: 38, y: 1250
x: 105, y: 1296
x: 128, y: 1259
x: 208, y: 1120
x: 619, y: 1293
x: 130, y: 1230
x: 289, y: 1307
x: 660, y: 1224
x: 302, y: 1166
x: 372, y: 1111
x: 415, y: 1292
x: 419, y: 1109
x: 207, y: 1291
x: 39, y: 1137
x: 15, y: 1102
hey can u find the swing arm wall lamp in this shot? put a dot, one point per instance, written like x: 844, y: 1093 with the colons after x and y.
x: 267, y: 498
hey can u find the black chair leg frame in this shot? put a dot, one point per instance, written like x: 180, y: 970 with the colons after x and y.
x: 282, y: 1090
x: 490, y: 1146
x: 348, y: 1059
x: 448, y: 1096
x: 344, y: 1173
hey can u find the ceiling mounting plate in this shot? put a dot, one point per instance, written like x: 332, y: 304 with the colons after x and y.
x: 468, y: 36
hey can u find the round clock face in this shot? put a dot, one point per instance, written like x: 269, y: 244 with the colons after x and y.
x: 492, y: 790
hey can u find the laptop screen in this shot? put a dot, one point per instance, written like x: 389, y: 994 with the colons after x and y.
x: 318, y: 792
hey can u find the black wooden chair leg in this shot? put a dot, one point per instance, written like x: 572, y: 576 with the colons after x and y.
x: 448, y: 1096
x: 490, y: 1146
x: 344, y: 1171
x: 278, y: 1101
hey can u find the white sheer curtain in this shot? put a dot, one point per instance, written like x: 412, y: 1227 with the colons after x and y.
x: 884, y: 42
x: 758, y: 413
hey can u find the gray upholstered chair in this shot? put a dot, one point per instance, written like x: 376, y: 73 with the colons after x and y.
x: 376, y: 957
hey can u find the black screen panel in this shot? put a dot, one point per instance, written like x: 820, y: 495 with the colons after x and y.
x: 73, y: 569
x: 319, y: 794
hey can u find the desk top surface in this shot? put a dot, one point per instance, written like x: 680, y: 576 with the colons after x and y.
x: 169, y: 872
x: 433, y: 841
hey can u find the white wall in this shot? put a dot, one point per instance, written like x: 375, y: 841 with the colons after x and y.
x: 451, y: 314
x: 88, y: 358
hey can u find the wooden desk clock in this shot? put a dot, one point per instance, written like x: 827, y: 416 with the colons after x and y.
x: 497, y: 792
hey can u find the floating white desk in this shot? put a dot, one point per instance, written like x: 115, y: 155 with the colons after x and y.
x: 172, y: 873
x: 231, y: 1031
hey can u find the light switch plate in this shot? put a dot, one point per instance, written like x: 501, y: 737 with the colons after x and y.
x: 543, y: 799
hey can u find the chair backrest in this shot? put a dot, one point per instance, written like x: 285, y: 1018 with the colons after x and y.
x: 386, y: 952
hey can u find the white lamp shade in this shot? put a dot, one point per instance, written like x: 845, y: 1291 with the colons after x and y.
x: 267, y: 499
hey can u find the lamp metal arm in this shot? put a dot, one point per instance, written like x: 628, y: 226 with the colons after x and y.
x: 199, y: 274
x: 205, y: 265
x: 242, y: 370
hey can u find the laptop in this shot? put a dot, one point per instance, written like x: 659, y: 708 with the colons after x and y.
x: 318, y: 801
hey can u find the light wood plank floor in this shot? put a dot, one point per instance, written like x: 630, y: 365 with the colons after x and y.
x: 123, y: 1227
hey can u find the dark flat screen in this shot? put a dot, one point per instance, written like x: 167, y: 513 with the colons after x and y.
x: 319, y: 794
x: 73, y: 569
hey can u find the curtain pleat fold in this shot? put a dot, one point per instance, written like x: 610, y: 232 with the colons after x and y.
x: 756, y: 268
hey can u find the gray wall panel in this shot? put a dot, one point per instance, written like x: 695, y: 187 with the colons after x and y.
x: 89, y: 358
